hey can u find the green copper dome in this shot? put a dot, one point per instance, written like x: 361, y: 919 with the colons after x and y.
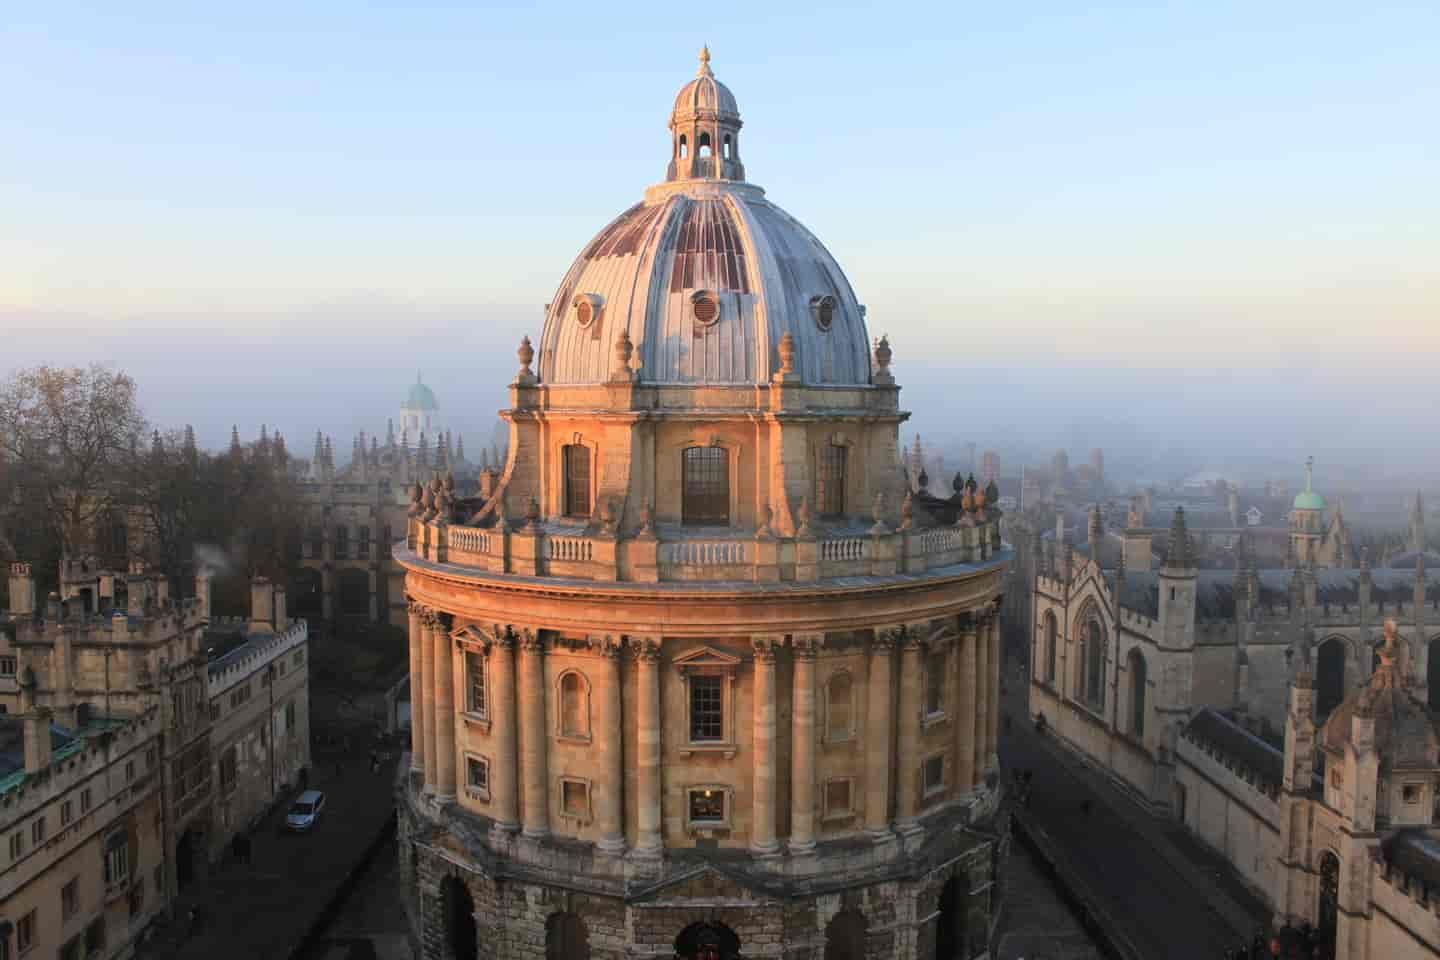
x: 1309, y: 500
x: 420, y: 397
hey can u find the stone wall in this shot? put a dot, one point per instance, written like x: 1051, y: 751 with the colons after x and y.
x: 1232, y: 816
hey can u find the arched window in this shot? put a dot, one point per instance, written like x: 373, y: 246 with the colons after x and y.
x: 566, y: 937
x: 1092, y: 689
x: 1329, y: 676
x: 845, y: 936
x: 574, y: 706
x: 830, y: 481
x: 577, y: 480
x: 1137, y: 672
x: 705, y: 493
x: 728, y: 153
x: 703, y: 145
x: 839, y: 707
x: 684, y: 147
x: 1052, y: 631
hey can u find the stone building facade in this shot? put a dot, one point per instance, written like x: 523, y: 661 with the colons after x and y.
x: 701, y: 675
x: 128, y: 720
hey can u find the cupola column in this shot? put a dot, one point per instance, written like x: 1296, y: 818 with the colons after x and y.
x: 504, y: 773
x: 878, y: 732
x: 444, y: 706
x: 965, y: 710
x: 610, y: 799
x: 802, y: 747
x: 417, y: 690
x: 533, y: 741
x: 762, y: 830
x: 647, y: 767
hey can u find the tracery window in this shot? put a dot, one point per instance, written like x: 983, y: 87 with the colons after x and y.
x: 705, y: 494
x: 576, y: 459
x: 1052, y: 631
x: 830, y: 480
x: 1094, y: 663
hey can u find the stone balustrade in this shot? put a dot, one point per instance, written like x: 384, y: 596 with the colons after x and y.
x: 679, y: 554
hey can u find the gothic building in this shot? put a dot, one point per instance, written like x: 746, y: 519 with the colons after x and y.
x: 701, y: 675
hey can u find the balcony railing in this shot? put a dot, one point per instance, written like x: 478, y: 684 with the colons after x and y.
x: 687, y: 555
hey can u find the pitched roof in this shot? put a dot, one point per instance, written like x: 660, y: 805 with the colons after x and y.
x: 1217, y: 734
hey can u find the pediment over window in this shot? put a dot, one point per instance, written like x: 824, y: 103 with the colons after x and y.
x: 707, y: 660
x: 473, y: 636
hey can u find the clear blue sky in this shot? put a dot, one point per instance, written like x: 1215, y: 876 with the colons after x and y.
x: 1239, y: 185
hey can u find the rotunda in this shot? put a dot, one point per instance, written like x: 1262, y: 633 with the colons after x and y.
x: 696, y: 674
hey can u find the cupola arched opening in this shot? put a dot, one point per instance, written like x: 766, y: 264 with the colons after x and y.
x: 684, y: 147
x: 703, y: 145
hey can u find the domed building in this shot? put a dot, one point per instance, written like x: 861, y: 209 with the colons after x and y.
x: 698, y: 675
x: 420, y: 413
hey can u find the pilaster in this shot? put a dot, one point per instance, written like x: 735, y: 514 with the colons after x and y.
x: 427, y: 713
x: 444, y: 706
x: 417, y: 691
x: 646, y: 651
x: 504, y: 768
x: 610, y: 800
x: 966, y: 710
x: 912, y: 673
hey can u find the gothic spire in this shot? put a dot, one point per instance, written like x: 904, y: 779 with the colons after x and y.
x: 1178, y: 556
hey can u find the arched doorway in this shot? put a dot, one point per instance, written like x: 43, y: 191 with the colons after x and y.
x: 845, y: 936
x: 1329, y: 677
x: 1432, y: 673
x: 950, y: 921
x: 1328, y: 909
x: 306, y: 599
x: 566, y: 938
x: 354, y: 593
x: 461, y: 938
x: 704, y: 940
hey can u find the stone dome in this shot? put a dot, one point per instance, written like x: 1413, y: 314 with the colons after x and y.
x: 420, y: 397
x: 1405, y: 729
x: 706, y: 276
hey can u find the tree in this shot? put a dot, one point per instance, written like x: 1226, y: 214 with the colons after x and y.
x: 66, y: 436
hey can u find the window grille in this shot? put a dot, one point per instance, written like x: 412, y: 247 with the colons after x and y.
x: 706, y: 487
x: 830, y: 480
x: 706, y: 715
x: 577, y: 480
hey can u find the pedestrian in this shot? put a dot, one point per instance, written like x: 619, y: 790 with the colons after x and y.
x: 374, y: 762
x: 237, y: 848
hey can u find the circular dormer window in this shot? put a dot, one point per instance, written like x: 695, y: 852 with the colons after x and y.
x: 706, y: 307
x: 822, y: 308
x: 587, y: 308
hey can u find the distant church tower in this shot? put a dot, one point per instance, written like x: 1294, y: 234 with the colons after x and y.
x: 420, y: 413
x: 1417, y: 524
x: 1307, y: 521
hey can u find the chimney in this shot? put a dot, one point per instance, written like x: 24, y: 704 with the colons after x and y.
x: 202, y: 591
x: 262, y: 606
x: 162, y: 592
x: 22, y: 589
x: 137, y: 589
x: 107, y: 593
x: 281, y: 619
x: 37, y: 740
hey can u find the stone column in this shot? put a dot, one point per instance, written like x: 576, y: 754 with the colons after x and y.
x: 802, y: 743
x: 647, y: 768
x: 965, y: 709
x: 982, y: 696
x: 427, y: 680
x: 610, y: 798
x: 992, y: 724
x: 444, y: 706
x: 417, y: 691
x: 762, y: 820
x: 912, y: 675
x: 877, y: 734
x: 534, y: 744
x: 504, y: 771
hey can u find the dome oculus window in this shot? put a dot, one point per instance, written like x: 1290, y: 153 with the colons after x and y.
x: 822, y: 308
x: 705, y: 306
x: 587, y: 309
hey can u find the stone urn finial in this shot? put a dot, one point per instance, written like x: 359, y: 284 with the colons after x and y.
x: 883, y: 354
x: 532, y: 512
x: 787, y: 353
x: 907, y: 512
x: 877, y: 512
x: 607, y: 515
x: 624, y: 350
x: 526, y: 354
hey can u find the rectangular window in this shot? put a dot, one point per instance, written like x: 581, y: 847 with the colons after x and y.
x: 705, y: 487
x: 575, y: 798
x: 830, y: 481
x: 67, y: 812
x: 25, y: 932
x: 214, y: 710
x: 707, y: 806
x: 150, y: 758
x: 85, y: 801
x: 298, y: 658
x: 475, y: 683
x: 477, y: 774
x: 364, y: 541
x: 934, y: 774
x: 838, y: 801
x: 1410, y: 792
x: 17, y: 845
x: 7, y: 666
x: 290, y: 715
x: 95, y: 937
x: 706, y: 713
x: 342, y: 542
x: 117, y: 859
x: 129, y: 770
x: 37, y: 831
x: 934, y: 684
x: 577, y: 480
x: 70, y: 899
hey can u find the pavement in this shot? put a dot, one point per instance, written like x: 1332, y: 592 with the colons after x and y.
x: 269, y: 907
x: 1161, y: 891
x: 1035, y: 920
x: 371, y: 924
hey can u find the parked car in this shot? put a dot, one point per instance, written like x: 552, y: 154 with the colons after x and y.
x: 305, y: 812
